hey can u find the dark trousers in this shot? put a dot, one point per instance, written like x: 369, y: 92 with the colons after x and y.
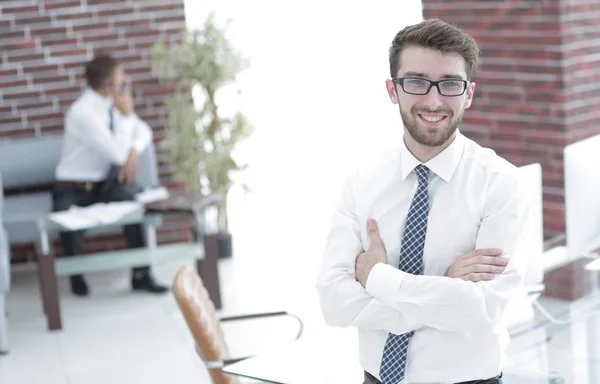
x: 64, y: 196
x: 370, y: 379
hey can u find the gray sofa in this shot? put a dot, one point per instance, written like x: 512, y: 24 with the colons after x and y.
x: 31, y: 162
x: 4, y: 277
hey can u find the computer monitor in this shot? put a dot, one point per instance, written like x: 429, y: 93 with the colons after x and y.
x: 582, y: 196
x: 531, y: 179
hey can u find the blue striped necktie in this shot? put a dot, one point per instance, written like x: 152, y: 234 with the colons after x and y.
x: 393, y: 362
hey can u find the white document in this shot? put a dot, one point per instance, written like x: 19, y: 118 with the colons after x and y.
x: 97, y: 214
x: 152, y: 195
x: 72, y: 220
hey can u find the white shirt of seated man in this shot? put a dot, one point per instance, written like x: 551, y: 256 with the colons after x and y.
x: 90, y: 147
x: 476, y: 239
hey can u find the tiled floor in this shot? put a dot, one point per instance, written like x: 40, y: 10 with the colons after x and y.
x: 116, y: 336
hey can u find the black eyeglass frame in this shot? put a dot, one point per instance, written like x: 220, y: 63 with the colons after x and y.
x: 400, y: 81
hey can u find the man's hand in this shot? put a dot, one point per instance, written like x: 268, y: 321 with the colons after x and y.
x: 479, y: 265
x: 129, y: 170
x: 375, y: 254
x: 123, y: 102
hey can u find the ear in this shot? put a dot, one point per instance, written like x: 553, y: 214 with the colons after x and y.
x: 470, y: 92
x: 391, y: 90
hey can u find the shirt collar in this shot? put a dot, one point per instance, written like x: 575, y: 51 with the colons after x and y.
x: 98, y: 99
x: 443, y: 165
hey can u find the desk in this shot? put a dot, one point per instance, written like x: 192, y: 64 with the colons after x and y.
x: 299, y: 363
x: 150, y: 217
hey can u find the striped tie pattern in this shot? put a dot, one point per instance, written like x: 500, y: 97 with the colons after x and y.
x: 393, y: 362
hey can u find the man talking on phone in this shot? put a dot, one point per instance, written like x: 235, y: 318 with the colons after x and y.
x: 99, y: 161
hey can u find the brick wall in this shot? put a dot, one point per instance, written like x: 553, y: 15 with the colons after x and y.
x: 537, y: 88
x: 43, y: 46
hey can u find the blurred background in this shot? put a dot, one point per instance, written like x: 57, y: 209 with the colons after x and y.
x: 314, y: 94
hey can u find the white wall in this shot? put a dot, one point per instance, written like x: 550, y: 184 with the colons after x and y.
x: 316, y: 94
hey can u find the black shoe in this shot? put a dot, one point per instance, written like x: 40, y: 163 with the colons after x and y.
x: 147, y: 283
x: 78, y: 286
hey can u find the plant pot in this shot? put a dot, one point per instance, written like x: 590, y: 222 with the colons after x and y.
x: 225, y: 245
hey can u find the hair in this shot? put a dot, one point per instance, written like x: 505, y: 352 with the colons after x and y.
x: 99, y: 69
x: 439, y: 35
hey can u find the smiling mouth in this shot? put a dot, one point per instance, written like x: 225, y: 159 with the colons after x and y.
x: 432, y: 119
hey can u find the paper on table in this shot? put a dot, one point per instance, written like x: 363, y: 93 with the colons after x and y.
x: 72, y: 220
x: 152, y: 195
x: 107, y: 213
x: 101, y: 213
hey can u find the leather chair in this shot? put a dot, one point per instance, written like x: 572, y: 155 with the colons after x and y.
x: 204, y: 324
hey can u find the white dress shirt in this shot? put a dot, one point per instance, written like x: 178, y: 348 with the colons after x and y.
x: 475, y: 202
x: 89, y: 147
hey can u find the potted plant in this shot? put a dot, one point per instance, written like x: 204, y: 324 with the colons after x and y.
x: 199, y: 139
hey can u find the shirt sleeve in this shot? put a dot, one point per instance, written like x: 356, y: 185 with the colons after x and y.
x: 85, y: 127
x: 344, y: 301
x: 142, y: 133
x: 452, y: 304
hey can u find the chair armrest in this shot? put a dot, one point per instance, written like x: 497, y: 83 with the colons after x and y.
x: 534, y: 288
x: 261, y: 315
x: 222, y: 363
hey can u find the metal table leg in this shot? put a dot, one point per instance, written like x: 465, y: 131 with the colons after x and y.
x: 48, y: 280
x: 3, y: 332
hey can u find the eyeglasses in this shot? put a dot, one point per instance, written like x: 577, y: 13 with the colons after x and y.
x: 419, y: 86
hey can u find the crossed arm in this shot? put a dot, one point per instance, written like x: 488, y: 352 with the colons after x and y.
x: 397, y: 302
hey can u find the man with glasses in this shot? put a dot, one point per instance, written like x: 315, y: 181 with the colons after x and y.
x: 99, y: 160
x: 429, y: 243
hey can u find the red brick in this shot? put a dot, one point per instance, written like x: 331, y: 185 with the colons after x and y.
x: 108, y: 36
x: 34, y: 19
x: 122, y: 10
x: 49, y: 116
x: 42, y: 30
x: 8, y: 9
x: 144, y: 45
x: 15, y: 94
x: 133, y: 25
x: 51, y: 80
x: 22, y: 56
x: 170, y: 19
x: 5, y: 25
x: 17, y: 44
x: 9, y: 37
x: 51, y: 128
x: 8, y: 73
x: 73, y: 17
x: 75, y: 63
x: 61, y: 43
x: 4, y: 109
x: 73, y: 52
x: 95, y: 2
x: 29, y: 107
x: 112, y: 48
x: 12, y: 82
x: 128, y: 57
x: 57, y: 4
x: 9, y: 119
x: 90, y: 27
x: 17, y: 133
x: 146, y: 8
x: 62, y: 90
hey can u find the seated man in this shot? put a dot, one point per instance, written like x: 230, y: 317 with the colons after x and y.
x: 99, y: 160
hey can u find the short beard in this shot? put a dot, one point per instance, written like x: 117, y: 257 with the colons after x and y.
x: 420, y: 136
